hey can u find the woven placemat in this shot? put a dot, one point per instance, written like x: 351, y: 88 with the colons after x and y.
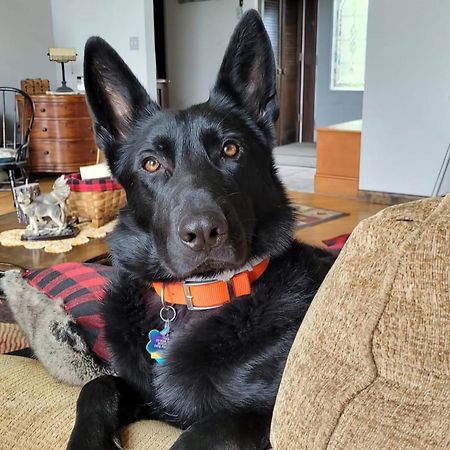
x: 11, y: 238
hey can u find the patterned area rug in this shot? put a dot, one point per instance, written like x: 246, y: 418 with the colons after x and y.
x: 308, y: 216
x: 12, y: 338
x: 336, y: 244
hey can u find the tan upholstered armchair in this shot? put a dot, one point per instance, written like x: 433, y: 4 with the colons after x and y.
x: 370, y: 368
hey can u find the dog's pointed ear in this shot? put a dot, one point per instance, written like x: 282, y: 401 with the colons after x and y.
x: 114, y: 94
x: 248, y: 72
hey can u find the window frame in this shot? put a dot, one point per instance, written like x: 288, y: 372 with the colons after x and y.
x: 333, y: 86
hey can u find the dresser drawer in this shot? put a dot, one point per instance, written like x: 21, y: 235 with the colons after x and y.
x: 61, y: 156
x: 62, y: 128
x: 60, y: 110
x: 58, y: 107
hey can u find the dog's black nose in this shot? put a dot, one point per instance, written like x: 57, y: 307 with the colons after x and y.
x: 204, y: 230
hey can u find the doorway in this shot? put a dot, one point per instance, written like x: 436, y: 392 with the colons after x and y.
x: 162, y: 83
x: 292, y: 29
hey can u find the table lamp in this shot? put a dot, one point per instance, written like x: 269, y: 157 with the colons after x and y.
x: 62, y: 55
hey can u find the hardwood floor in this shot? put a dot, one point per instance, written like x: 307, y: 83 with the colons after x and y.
x: 357, y: 209
x: 6, y: 204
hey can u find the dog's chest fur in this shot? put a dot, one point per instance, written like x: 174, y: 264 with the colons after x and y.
x: 220, y: 359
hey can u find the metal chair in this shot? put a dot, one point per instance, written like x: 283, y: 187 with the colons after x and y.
x: 17, y: 120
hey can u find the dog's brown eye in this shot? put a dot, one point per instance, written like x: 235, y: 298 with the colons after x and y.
x: 230, y: 150
x: 152, y: 165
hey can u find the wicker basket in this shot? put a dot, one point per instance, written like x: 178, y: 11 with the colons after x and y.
x: 99, y: 207
x: 97, y: 200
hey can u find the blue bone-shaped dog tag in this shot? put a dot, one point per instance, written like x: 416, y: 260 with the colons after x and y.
x: 157, y: 343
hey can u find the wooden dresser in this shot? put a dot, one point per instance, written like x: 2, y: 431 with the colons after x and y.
x: 62, y: 139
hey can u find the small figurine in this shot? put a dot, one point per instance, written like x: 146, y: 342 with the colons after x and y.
x: 47, y: 213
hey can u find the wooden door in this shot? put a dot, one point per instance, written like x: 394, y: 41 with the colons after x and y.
x: 281, y: 21
x: 292, y: 28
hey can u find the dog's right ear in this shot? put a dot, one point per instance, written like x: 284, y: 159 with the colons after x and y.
x: 113, y: 93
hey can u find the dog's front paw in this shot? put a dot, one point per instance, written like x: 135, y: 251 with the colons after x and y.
x: 187, y: 442
x: 226, y: 432
x: 93, y: 441
x: 106, y: 445
x: 194, y: 438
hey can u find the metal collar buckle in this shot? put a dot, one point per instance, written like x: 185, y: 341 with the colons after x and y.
x: 188, y: 296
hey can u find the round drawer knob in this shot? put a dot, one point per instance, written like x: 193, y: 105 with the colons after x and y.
x: 44, y: 129
x: 46, y: 152
x: 92, y: 151
x: 42, y: 110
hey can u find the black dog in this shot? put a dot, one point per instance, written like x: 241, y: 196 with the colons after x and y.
x: 204, y: 201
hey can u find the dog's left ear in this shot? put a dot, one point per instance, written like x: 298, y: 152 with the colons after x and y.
x: 248, y: 72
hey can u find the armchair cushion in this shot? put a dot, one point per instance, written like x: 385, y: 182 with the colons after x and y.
x: 37, y: 412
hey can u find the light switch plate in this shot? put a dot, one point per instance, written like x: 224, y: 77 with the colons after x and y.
x: 134, y: 42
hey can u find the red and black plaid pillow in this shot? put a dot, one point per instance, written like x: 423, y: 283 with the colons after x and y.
x: 76, y: 184
x: 81, y: 287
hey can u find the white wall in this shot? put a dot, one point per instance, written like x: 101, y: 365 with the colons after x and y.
x: 331, y: 106
x: 406, y: 112
x: 113, y: 20
x: 25, y: 36
x: 196, y: 38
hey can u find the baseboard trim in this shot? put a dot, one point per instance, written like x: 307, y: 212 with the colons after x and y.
x: 386, y: 198
x: 336, y: 185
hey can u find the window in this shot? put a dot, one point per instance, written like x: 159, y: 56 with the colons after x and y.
x: 348, y: 57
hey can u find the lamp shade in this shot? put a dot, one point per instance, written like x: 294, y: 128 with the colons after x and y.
x: 62, y: 55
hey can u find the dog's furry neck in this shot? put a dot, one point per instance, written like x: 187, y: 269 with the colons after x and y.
x: 228, y: 274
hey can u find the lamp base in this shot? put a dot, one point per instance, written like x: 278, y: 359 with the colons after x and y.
x: 64, y: 88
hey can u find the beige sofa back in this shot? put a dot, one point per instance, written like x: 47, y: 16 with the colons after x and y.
x: 370, y: 367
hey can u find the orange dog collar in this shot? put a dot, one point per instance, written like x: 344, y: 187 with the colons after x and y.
x: 208, y: 294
